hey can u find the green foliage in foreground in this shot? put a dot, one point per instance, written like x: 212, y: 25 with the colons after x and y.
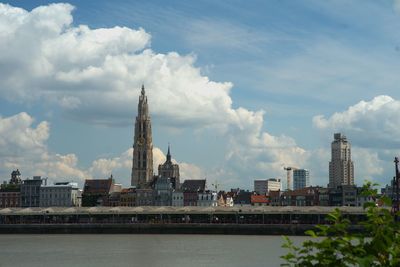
x: 334, y: 245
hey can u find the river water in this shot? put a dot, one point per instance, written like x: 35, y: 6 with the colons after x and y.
x: 141, y: 250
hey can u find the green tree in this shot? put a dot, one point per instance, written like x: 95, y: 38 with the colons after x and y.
x: 377, y: 244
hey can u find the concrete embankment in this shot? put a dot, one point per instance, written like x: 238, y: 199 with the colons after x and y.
x: 192, y: 228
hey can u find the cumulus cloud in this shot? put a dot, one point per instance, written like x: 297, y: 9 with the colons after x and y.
x: 23, y: 146
x: 94, y: 75
x: 371, y: 124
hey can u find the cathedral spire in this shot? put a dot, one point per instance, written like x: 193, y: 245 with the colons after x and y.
x: 142, y: 163
x: 169, y: 153
x: 143, y: 91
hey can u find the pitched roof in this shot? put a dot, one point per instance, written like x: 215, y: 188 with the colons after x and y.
x: 259, y: 199
x: 97, y: 186
x: 194, y: 185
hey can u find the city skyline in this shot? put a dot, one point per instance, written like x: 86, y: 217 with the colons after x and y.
x: 239, y: 94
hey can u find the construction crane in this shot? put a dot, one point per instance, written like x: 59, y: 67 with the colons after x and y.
x: 288, y: 176
x: 216, y: 184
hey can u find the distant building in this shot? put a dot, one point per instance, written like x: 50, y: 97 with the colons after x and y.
x: 142, y: 162
x: 262, y: 187
x: 301, y: 178
x: 30, y: 192
x: 177, y: 199
x: 15, y: 178
x: 128, y: 197
x: 10, y: 199
x: 163, y: 191
x: 207, y: 199
x: 145, y: 197
x: 194, y: 185
x: 96, y: 192
x: 10, y: 194
x: 63, y: 194
x: 170, y: 170
x: 242, y: 197
x: 259, y: 200
x: 301, y: 197
x: 345, y: 195
x: 341, y: 167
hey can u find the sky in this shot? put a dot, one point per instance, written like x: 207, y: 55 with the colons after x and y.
x: 240, y: 89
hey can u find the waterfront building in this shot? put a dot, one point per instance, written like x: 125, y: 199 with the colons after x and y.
x: 242, y: 197
x: 301, y: 178
x: 275, y: 198
x: 259, y: 200
x: 301, y: 197
x: 142, y: 162
x: 145, y: 197
x: 177, y: 198
x: 225, y: 199
x: 341, y: 167
x: 262, y: 187
x: 30, y: 192
x: 170, y: 170
x: 190, y: 198
x: 10, y: 196
x: 349, y: 195
x: 207, y: 199
x: 96, y: 192
x: 114, y: 199
x: 194, y: 185
x: 163, y: 191
x: 64, y: 194
x: 128, y: 197
x: 344, y: 195
x: 10, y: 199
x: 323, y: 196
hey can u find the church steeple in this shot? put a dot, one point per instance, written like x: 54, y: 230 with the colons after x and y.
x: 143, y: 91
x: 168, y: 154
x: 142, y: 163
x: 170, y: 170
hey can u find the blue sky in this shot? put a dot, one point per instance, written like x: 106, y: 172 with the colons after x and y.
x: 239, y: 88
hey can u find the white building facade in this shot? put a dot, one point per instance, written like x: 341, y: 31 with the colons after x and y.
x: 262, y: 187
x: 341, y: 168
x: 60, y: 195
x: 177, y: 198
x: 207, y: 199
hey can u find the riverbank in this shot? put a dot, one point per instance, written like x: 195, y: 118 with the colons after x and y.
x: 146, y: 228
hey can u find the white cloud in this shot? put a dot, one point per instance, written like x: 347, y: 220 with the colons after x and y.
x: 371, y: 124
x: 23, y: 146
x: 95, y: 75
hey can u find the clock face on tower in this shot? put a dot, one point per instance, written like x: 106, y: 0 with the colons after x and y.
x: 140, y: 141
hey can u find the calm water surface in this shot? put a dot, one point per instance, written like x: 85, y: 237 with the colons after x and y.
x: 141, y: 250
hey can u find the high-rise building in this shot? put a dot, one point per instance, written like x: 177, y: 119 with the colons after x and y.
x: 301, y: 178
x: 341, y: 168
x: 142, y: 163
x: 262, y: 187
x: 170, y: 170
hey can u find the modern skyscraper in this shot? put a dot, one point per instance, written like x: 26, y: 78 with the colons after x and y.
x: 142, y: 163
x: 341, y: 168
x: 170, y: 170
x: 301, y: 178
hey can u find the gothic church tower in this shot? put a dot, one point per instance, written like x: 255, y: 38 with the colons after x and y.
x: 142, y: 163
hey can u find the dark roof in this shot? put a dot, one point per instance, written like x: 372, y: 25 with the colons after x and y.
x: 194, y: 185
x: 97, y: 186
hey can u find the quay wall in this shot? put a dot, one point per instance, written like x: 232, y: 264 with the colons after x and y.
x: 147, y: 228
